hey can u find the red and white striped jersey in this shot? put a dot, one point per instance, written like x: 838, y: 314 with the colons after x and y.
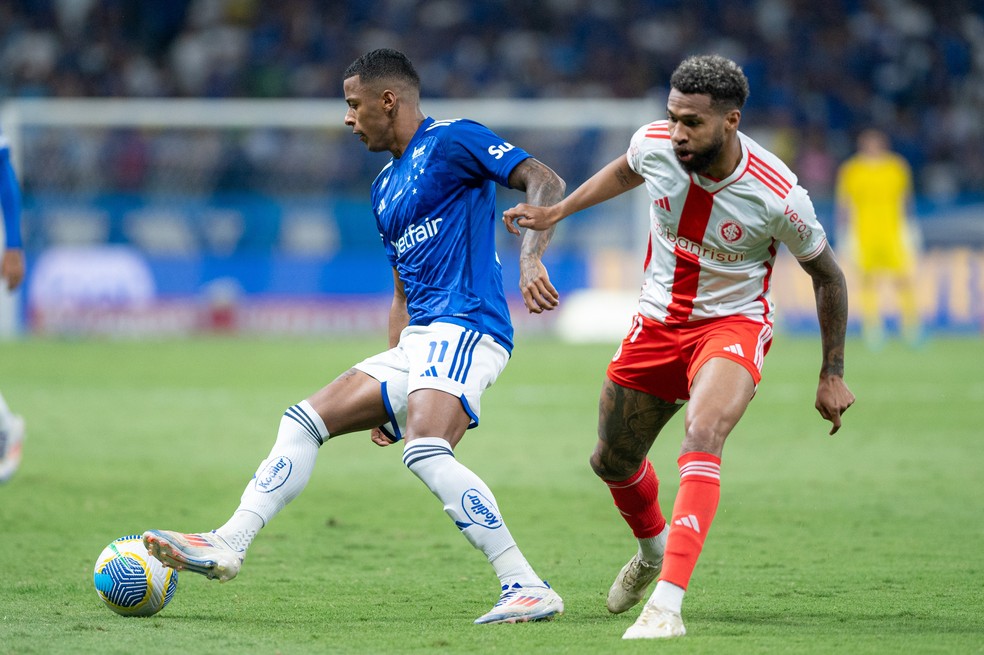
x: 712, y: 245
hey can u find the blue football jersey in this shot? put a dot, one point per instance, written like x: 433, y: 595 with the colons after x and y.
x: 10, y: 199
x: 435, y: 209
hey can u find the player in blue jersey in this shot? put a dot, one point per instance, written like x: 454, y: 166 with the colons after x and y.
x: 450, y: 334
x: 11, y: 275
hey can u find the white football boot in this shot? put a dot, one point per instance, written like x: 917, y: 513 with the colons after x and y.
x: 631, y: 584
x: 656, y: 623
x: 635, y: 577
x: 519, y: 604
x: 11, y: 445
x: 205, y: 552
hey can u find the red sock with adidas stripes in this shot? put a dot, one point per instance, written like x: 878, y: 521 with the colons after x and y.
x: 638, y: 501
x: 693, y: 511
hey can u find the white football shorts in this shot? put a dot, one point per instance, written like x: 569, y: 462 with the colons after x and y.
x: 443, y: 356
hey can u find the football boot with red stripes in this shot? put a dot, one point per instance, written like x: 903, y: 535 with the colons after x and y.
x: 205, y: 552
x: 519, y: 604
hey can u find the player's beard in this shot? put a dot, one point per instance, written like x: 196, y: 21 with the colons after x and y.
x: 703, y: 159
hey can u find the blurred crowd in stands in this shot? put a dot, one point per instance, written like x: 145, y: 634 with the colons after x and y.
x: 819, y: 71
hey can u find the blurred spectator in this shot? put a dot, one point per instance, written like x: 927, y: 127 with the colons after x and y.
x: 816, y: 165
x: 826, y: 69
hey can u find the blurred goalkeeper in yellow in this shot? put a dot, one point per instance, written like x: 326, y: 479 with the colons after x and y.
x: 874, y: 195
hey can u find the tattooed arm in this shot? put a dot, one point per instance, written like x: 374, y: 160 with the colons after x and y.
x: 614, y: 179
x: 830, y: 289
x: 543, y: 187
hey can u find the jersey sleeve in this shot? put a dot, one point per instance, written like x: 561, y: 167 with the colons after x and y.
x: 636, y: 149
x: 798, y: 227
x: 476, y: 153
x: 649, y: 149
x: 10, y: 197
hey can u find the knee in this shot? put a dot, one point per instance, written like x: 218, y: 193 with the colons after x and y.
x: 703, y: 437
x: 597, y: 466
x: 607, y: 467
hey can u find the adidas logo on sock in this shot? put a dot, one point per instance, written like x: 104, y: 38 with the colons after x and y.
x: 688, y: 522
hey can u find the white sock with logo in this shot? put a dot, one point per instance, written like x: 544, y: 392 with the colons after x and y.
x: 470, y: 504
x: 280, y: 477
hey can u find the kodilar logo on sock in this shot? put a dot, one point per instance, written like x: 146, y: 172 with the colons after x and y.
x: 273, y: 475
x: 480, y: 509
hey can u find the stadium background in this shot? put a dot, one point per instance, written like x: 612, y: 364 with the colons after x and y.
x: 148, y: 228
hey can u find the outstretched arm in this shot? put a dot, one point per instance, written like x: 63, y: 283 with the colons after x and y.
x: 614, y: 179
x: 830, y: 289
x: 543, y: 187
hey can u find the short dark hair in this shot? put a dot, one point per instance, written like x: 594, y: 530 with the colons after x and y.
x: 384, y: 63
x: 712, y: 75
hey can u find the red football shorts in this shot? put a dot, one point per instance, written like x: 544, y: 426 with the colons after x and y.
x: 662, y: 361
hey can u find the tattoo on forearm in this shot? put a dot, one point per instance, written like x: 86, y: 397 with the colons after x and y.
x: 543, y: 187
x: 830, y: 289
x: 535, y: 243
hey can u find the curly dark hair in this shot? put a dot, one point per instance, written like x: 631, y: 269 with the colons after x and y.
x: 384, y: 63
x: 712, y: 75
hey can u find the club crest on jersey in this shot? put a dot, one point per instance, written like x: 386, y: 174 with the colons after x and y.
x: 415, y: 234
x: 731, y: 231
x: 480, y: 510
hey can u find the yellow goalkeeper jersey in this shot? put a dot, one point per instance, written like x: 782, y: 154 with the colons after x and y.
x: 875, y: 191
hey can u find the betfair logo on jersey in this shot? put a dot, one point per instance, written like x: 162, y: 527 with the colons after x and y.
x: 415, y: 234
x: 498, y: 151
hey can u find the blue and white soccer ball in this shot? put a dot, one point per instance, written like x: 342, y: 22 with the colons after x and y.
x: 132, y: 582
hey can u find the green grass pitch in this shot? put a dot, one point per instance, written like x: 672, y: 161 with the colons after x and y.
x: 866, y: 542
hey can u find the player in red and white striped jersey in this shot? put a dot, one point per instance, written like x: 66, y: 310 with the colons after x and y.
x: 721, y: 206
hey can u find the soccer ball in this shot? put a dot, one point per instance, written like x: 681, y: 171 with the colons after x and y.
x: 130, y: 581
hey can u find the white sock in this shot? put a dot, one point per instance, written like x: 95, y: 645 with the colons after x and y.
x: 668, y: 596
x: 652, y: 549
x: 280, y: 477
x: 470, y: 504
x: 4, y: 413
x: 512, y: 567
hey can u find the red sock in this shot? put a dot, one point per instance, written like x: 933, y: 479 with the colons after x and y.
x: 638, y: 500
x: 693, y: 511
